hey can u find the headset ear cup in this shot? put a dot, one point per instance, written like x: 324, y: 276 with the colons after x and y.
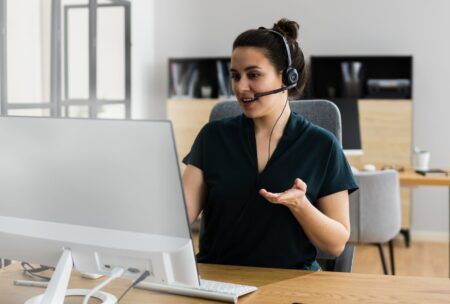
x: 290, y: 76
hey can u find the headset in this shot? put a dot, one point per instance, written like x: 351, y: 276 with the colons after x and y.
x: 289, y: 74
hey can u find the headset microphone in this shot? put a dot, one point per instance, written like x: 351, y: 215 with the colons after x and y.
x: 257, y: 95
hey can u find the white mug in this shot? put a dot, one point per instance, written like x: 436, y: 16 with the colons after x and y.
x: 421, y: 160
x: 206, y: 91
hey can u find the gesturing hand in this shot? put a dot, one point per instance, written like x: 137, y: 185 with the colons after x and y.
x: 294, y: 197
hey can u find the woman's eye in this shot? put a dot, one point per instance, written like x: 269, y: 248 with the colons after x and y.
x: 253, y: 75
x: 234, y: 77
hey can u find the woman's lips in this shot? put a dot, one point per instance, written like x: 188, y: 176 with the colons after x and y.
x: 248, y: 100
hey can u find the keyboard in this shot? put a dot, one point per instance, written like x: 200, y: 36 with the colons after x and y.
x: 221, y: 291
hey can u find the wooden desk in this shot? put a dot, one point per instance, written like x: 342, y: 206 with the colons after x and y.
x: 411, y: 178
x: 275, y: 286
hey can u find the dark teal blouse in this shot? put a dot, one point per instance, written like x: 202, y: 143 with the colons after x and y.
x: 239, y: 226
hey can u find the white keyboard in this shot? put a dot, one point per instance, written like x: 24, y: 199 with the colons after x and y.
x: 227, y: 292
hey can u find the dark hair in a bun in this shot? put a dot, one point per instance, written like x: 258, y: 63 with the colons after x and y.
x: 275, y: 50
x: 287, y: 28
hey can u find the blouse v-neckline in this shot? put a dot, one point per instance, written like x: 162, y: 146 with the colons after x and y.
x: 251, y: 141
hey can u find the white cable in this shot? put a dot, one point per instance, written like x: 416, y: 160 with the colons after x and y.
x: 115, y: 273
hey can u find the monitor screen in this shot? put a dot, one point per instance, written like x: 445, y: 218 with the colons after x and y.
x: 351, y: 135
x: 110, y: 190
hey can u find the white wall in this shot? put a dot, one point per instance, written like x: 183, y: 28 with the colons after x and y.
x: 359, y: 27
x: 143, y: 86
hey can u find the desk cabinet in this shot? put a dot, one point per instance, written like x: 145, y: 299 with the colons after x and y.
x: 386, y: 137
x: 188, y: 117
x: 386, y: 132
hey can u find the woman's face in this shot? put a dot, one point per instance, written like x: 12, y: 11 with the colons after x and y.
x: 252, y: 72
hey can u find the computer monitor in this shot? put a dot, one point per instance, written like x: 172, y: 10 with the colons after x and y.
x: 98, y: 193
x: 351, y: 134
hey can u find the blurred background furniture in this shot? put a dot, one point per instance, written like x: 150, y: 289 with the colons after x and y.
x: 375, y: 211
x: 4, y: 263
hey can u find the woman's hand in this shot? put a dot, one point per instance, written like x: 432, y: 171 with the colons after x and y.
x: 292, y: 198
x: 328, y: 228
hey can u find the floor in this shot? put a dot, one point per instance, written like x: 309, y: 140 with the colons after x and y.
x: 429, y: 259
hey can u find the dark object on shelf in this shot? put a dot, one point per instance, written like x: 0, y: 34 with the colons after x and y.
x: 187, y: 77
x: 432, y: 172
x: 388, y: 88
x: 349, y: 76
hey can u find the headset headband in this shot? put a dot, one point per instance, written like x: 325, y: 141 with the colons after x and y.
x: 286, y: 45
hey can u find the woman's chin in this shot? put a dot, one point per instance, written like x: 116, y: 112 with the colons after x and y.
x: 250, y: 113
x: 250, y: 109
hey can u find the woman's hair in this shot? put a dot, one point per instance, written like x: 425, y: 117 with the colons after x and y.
x: 275, y: 50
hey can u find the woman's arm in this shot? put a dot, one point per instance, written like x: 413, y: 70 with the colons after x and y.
x: 328, y: 226
x: 194, y: 191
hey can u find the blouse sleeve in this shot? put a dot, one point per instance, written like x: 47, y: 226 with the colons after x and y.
x: 338, y: 175
x: 196, y: 156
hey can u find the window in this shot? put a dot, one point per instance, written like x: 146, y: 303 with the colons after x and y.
x: 65, y: 58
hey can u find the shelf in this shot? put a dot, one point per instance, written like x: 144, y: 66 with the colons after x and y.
x: 372, y: 77
x: 199, y: 77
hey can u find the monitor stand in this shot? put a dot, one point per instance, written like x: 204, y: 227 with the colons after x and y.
x: 57, y: 287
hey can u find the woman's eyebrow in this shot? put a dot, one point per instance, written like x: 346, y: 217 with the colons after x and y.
x: 250, y: 67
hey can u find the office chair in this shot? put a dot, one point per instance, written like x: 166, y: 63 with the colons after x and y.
x: 375, y: 211
x: 341, y: 263
x: 320, y: 112
x: 326, y: 115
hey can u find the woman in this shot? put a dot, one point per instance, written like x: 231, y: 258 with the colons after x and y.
x: 272, y: 186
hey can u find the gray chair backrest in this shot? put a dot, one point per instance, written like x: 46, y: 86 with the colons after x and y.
x: 375, y: 211
x: 320, y: 112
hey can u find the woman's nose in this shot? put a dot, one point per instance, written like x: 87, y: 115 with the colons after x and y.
x: 242, y: 85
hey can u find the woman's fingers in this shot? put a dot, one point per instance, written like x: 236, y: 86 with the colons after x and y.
x: 286, y: 197
x: 271, y: 197
x: 289, y: 197
x: 300, y: 184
